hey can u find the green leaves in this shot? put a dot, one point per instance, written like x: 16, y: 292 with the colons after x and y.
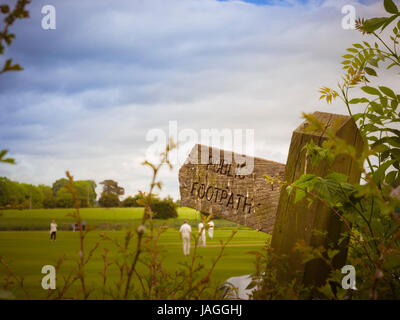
x: 370, y: 90
x: 333, y: 189
x: 379, y: 113
x: 318, y: 153
x: 389, y: 92
x: 357, y: 45
x: 385, y: 90
x: 390, y: 6
x: 8, y: 66
x: 360, y: 64
x: 388, y: 21
x: 393, y: 177
x: 6, y: 160
x: 338, y: 177
x: 352, y: 50
x: 328, y: 94
x: 358, y: 100
x: 18, y: 12
x: 371, y: 25
x: 370, y: 71
x: 348, y: 56
x: 303, y: 185
x: 379, y: 175
x: 374, y: 24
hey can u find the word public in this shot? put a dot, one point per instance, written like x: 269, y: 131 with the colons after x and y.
x: 225, y: 168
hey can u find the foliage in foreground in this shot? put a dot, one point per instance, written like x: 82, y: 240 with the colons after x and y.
x: 6, y: 37
x: 370, y: 210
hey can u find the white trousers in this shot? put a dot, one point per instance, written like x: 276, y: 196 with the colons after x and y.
x: 202, y: 239
x: 211, y: 233
x: 186, y: 245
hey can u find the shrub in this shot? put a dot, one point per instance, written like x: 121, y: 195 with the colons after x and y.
x: 131, y: 201
x: 163, y: 208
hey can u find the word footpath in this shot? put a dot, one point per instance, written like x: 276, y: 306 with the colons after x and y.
x: 221, y: 188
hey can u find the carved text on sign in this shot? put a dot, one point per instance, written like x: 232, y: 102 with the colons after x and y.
x: 231, y: 186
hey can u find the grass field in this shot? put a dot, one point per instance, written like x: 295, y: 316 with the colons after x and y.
x: 28, y: 251
x: 100, y: 218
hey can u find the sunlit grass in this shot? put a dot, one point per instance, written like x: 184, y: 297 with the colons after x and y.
x: 29, y: 251
x: 39, y: 219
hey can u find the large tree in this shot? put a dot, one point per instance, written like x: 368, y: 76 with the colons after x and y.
x: 64, y: 198
x: 49, y: 201
x: 8, y: 192
x: 21, y: 195
x: 112, y: 187
x: 111, y: 193
x: 109, y: 200
x: 33, y: 197
x: 86, y: 192
x: 58, y: 184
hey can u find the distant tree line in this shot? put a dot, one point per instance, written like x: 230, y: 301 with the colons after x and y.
x: 16, y: 195
x: 27, y: 196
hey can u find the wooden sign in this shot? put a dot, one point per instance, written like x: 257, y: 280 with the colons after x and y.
x: 231, y: 186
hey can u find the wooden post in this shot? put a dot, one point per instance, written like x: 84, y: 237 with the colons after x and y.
x: 296, y: 221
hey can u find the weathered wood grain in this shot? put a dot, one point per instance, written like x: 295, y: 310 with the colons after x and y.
x: 297, y: 221
x: 216, y: 185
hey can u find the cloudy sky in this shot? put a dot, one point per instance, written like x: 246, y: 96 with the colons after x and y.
x: 111, y: 71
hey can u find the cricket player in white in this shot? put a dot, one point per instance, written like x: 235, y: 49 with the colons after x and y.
x: 202, y: 238
x: 211, y: 229
x: 53, y: 230
x: 185, y: 232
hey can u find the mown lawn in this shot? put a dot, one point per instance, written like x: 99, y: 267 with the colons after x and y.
x: 28, y: 251
x: 100, y: 218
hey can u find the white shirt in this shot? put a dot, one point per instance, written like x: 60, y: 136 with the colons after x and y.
x: 211, y: 225
x: 201, y: 226
x: 53, y: 227
x: 185, y: 230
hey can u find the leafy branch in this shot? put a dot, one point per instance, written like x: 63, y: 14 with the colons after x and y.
x: 6, y: 38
